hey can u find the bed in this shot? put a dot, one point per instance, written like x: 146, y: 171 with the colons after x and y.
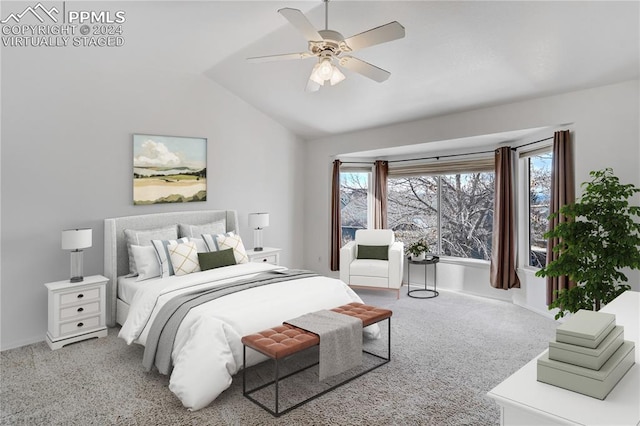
x: 207, y: 350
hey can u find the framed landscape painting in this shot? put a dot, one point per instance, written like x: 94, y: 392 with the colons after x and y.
x: 169, y: 169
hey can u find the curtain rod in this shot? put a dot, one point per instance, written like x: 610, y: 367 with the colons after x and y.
x: 437, y: 157
x: 531, y: 143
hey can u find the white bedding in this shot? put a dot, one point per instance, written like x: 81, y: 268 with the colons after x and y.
x: 207, y: 350
x: 128, y: 287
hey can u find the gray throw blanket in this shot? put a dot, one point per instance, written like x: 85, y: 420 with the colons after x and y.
x: 340, y: 340
x: 163, y: 331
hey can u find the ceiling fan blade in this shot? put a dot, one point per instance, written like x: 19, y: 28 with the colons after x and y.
x: 302, y: 24
x: 364, y: 68
x: 388, y: 32
x: 269, y: 58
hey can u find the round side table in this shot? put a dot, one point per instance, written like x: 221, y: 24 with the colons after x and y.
x: 430, y: 293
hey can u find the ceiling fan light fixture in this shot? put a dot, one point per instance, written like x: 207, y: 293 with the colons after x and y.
x: 315, y: 77
x: 325, y: 69
x: 337, y: 76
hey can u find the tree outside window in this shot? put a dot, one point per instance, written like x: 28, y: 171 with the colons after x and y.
x: 453, y: 212
x: 354, y: 202
x: 412, y: 209
x: 467, y: 215
x: 539, y: 199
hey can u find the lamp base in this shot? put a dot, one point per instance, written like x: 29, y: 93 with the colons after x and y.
x: 257, y: 239
x: 76, y: 266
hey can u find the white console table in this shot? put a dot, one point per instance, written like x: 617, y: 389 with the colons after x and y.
x: 525, y: 401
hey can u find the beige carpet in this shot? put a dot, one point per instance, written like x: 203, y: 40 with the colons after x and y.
x: 447, y: 353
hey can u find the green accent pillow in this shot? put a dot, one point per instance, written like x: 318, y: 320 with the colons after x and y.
x: 216, y: 259
x: 373, y: 252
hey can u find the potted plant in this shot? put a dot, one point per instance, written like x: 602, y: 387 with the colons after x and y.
x: 418, y: 249
x: 601, y: 237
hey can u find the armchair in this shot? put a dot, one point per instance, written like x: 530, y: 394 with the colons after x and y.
x: 368, y: 269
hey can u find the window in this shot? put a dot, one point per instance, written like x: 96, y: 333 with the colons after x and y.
x: 354, y: 202
x: 539, y: 178
x: 453, y: 212
x: 412, y: 209
x: 467, y: 215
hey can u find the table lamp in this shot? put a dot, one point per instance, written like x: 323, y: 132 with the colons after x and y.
x: 258, y: 221
x: 76, y: 240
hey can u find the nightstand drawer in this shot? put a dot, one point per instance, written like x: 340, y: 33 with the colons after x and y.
x: 79, y: 326
x: 80, y: 295
x: 273, y: 259
x: 79, y: 310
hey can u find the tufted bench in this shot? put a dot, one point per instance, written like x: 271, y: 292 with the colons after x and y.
x: 285, y: 340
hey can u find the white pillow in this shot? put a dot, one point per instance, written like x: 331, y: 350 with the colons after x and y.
x: 219, y: 227
x: 184, y: 258
x: 210, y: 241
x: 146, y: 262
x: 144, y: 237
x: 233, y: 241
x: 166, y: 268
x: 201, y: 246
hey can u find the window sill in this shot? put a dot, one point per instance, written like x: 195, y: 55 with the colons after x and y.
x: 529, y: 270
x: 464, y: 261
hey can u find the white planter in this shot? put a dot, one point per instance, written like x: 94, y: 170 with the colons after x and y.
x: 421, y: 256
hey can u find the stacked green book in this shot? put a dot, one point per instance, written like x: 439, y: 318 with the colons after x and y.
x: 589, y: 355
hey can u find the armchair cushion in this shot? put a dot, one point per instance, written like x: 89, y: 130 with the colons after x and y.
x: 373, y: 252
x: 369, y: 268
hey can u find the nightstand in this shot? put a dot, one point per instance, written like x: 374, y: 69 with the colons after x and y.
x: 76, y: 310
x: 267, y: 255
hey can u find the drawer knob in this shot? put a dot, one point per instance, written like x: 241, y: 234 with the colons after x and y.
x: 264, y: 260
x: 80, y: 324
x: 80, y: 296
x: 80, y: 309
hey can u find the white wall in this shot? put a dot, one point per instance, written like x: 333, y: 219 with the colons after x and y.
x: 606, y: 134
x: 67, y: 121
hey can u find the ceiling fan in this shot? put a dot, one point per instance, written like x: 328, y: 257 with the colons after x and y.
x: 329, y: 46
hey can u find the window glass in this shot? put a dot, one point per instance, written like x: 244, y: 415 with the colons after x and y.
x: 467, y: 215
x: 454, y: 212
x: 354, y: 190
x: 412, y: 209
x: 539, y: 199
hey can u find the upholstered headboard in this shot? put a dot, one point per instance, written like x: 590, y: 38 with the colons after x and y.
x: 116, y: 258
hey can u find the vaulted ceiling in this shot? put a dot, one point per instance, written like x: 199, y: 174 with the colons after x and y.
x: 457, y: 55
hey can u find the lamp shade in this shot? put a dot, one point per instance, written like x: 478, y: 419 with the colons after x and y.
x: 76, y: 239
x: 258, y: 220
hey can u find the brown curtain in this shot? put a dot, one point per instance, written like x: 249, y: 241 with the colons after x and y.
x: 562, y: 193
x: 380, y: 194
x: 336, y: 221
x: 503, y: 251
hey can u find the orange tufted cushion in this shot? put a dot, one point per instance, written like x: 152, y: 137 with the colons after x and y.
x: 368, y: 314
x: 284, y: 340
x: 279, y: 342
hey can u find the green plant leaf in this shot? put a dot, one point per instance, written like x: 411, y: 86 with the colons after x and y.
x: 598, y: 236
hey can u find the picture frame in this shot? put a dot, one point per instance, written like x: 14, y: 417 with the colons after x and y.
x: 169, y: 169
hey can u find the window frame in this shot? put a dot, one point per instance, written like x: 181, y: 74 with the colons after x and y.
x: 482, y: 164
x: 524, y: 204
x: 369, y: 172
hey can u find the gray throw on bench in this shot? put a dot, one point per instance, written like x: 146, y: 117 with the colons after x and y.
x: 162, y: 334
x: 340, y: 340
